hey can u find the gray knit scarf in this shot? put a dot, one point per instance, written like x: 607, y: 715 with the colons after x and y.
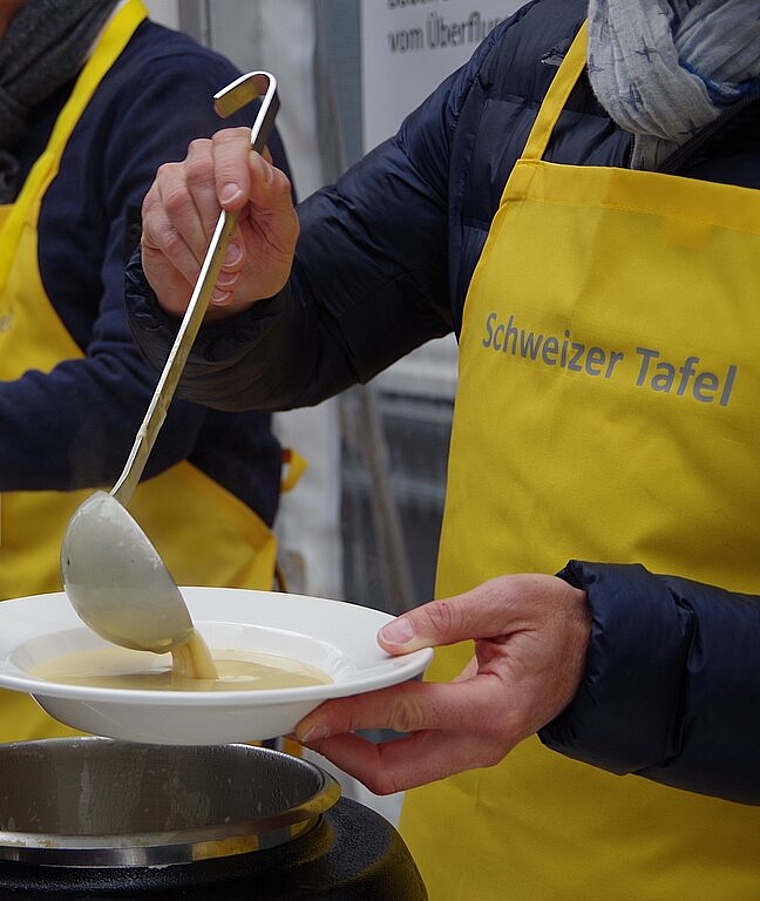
x: 44, y: 47
x: 663, y: 69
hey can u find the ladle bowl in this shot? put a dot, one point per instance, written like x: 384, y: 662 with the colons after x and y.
x: 117, y: 582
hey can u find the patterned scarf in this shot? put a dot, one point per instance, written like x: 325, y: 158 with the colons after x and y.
x: 44, y: 47
x: 664, y: 69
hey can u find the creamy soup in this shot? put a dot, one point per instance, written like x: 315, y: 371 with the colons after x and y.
x: 193, y: 659
x: 190, y: 668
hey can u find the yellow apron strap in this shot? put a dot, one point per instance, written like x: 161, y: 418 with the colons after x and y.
x: 556, y: 97
x: 115, y: 38
x: 294, y: 467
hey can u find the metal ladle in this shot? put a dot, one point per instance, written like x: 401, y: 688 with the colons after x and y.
x: 112, y: 574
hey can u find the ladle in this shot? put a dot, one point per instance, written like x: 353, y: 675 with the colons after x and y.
x: 113, y: 576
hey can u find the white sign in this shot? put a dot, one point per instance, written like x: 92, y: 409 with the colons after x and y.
x: 410, y: 46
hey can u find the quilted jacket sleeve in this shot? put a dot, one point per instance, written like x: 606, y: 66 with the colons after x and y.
x: 671, y: 683
x: 370, y: 281
x: 351, y: 308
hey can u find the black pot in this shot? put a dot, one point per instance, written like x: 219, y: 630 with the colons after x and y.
x: 91, y: 819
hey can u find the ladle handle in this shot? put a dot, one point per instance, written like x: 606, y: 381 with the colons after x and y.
x: 191, y: 322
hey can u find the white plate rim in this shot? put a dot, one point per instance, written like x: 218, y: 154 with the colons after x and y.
x: 59, y: 617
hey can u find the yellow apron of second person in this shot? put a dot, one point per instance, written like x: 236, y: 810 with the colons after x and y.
x: 607, y: 410
x: 169, y: 507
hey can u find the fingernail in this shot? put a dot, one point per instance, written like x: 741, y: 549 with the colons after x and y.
x: 227, y: 280
x: 219, y: 296
x: 263, y: 167
x: 230, y: 192
x: 315, y: 733
x: 399, y: 631
x: 232, y: 255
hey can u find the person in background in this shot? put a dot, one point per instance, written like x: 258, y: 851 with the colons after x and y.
x: 580, y: 205
x: 93, y: 98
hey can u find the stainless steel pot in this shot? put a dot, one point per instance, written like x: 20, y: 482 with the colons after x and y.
x: 95, y: 802
x: 96, y: 818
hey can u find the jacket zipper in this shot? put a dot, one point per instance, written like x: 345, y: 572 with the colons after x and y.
x: 676, y: 161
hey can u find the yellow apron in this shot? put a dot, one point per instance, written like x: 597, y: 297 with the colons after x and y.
x: 169, y: 507
x: 607, y: 410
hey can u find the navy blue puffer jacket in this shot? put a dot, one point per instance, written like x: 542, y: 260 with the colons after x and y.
x: 383, y: 265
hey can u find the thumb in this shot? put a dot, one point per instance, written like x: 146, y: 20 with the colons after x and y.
x: 427, y: 626
x: 496, y: 608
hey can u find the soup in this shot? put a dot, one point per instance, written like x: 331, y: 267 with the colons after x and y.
x: 193, y: 659
x: 187, y: 669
